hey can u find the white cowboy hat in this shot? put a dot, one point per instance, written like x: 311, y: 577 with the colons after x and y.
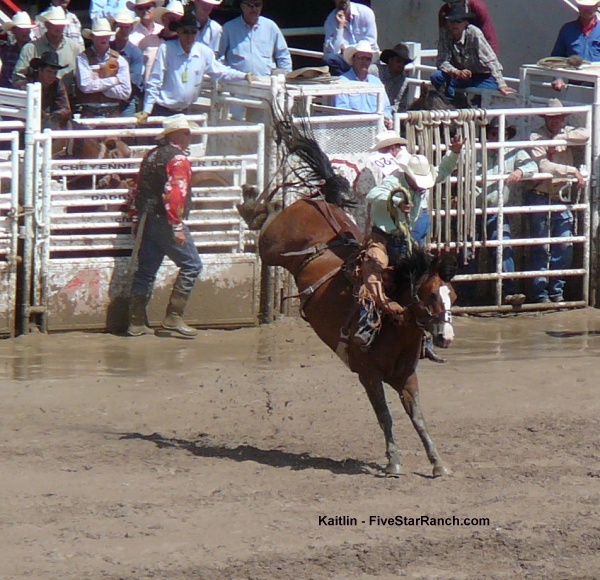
x: 123, y: 16
x: 555, y: 104
x: 589, y: 3
x: 54, y: 15
x: 176, y: 123
x: 387, y: 139
x: 132, y: 5
x: 213, y: 2
x: 361, y: 46
x: 420, y: 171
x: 19, y: 20
x: 174, y: 7
x: 100, y: 27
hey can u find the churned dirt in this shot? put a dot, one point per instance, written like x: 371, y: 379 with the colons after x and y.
x: 215, y: 458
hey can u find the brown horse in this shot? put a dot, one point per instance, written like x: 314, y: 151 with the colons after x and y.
x: 313, y: 238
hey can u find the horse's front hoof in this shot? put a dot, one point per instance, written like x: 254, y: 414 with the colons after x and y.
x: 393, y: 469
x: 440, y: 470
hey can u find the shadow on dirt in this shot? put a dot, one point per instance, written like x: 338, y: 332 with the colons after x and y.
x: 272, y: 457
x: 571, y: 334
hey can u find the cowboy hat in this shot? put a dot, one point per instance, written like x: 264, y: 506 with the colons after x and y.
x: 100, y: 27
x: 176, y: 123
x: 19, y: 20
x: 123, y: 16
x: 173, y: 7
x: 48, y: 58
x: 418, y: 168
x: 458, y: 14
x: 213, y: 2
x: 55, y: 15
x: 555, y: 104
x: 387, y: 139
x: 400, y: 50
x: 188, y: 21
x: 361, y: 46
x: 133, y: 5
x: 509, y: 130
x: 588, y: 3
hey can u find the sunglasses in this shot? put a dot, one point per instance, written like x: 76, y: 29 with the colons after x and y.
x: 252, y: 5
x: 369, y: 58
x: 145, y: 8
x: 188, y: 31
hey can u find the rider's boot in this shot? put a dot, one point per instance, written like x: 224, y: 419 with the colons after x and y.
x: 174, y: 317
x: 428, y: 352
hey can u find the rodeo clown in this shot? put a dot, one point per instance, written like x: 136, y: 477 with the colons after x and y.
x: 395, y: 206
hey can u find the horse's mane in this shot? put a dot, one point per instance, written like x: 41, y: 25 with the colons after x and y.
x: 411, y: 267
x: 315, y: 170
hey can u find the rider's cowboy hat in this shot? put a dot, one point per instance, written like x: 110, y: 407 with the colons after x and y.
x: 176, y: 123
x: 19, y: 20
x: 123, y: 16
x: 400, y: 50
x: 387, y: 139
x: 54, y: 15
x: 188, y: 21
x: 100, y: 27
x: 133, y: 5
x: 48, y: 58
x: 361, y: 46
x: 173, y: 7
x: 418, y: 168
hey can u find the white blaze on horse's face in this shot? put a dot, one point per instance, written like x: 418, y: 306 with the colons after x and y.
x: 443, y: 332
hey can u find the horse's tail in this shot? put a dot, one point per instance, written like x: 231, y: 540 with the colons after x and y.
x: 298, y: 140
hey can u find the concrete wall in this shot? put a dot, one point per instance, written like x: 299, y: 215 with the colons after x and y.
x: 526, y: 29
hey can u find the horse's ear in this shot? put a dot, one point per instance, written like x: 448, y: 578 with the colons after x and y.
x: 446, y: 265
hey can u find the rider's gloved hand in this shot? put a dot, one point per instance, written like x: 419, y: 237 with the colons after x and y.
x: 141, y: 117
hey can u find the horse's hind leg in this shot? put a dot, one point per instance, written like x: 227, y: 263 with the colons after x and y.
x: 409, y: 395
x: 376, y: 394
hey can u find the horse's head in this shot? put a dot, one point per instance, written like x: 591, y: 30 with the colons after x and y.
x: 435, y: 297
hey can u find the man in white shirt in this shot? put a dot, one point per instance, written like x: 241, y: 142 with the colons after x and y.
x: 209, y: 31
x: 347, y: 25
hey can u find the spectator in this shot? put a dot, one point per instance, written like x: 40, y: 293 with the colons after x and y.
x: 558, y: 161
x: 580, y: 37
x: 177, y: 73
x: 209, y: 31
x: 72, y: 29
x: 103, y: 79
x: 481, y: 18
x: 465, y: 59
x: 391, y: 74
x: 346, y: 25
x: 162, y: 198
x: 105, y: 8
x: 146, y: 26
x: 56, y: 109
x: 359, y: 57
x: 123, y: 24
x: 254, y: 44
x: 519, y: 165
x: 55, y: 21
x: 395, y: 206
x: 149, y: 45
x: 20, y: 25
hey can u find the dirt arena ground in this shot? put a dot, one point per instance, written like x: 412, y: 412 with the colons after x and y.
x: 215, y: 458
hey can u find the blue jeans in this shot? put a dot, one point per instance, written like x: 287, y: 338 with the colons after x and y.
x: 479, y: 81
x: 158, y: 242
x: 508, y: 262
x: 559, y: 256
x: 336, y: 63
x: 420, y: 228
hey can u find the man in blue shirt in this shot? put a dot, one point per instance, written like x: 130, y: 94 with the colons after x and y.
x: 346, y: 25
x: 209, y: 31
x: 359, y: 57
x: 254, y: 44
x: 176, y: 77
x: 580, y: 37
